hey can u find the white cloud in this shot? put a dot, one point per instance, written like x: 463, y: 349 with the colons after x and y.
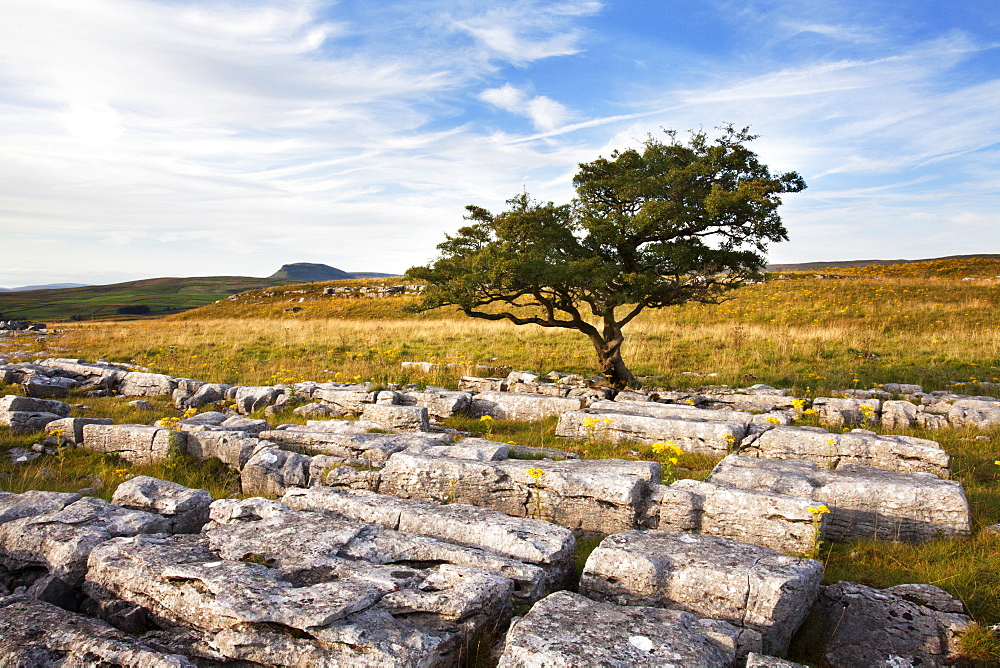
x: 545, y: 113
x: 527, y: 30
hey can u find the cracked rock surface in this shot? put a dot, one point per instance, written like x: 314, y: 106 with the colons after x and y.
x: 747, y: 585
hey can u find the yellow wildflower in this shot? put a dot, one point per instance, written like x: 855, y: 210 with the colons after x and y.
x: 535, y: 474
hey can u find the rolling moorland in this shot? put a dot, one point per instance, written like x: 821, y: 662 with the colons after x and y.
x: 934, y: 323
x: 153, y: 296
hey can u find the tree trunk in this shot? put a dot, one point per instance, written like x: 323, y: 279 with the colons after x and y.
x: 609, y: 358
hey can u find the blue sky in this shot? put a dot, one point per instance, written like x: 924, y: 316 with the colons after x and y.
x: 173, y: 138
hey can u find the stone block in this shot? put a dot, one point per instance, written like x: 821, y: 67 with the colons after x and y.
x: 440, y: 404
x: 71, y: 429
x: 747, y: 585
x: 479, y: 449
x: 25, y: 422
x: 135, y: 443
x: 591, y: 495
x: 141, y: 384
x: 59, y: 541
x: 779, y: 521
x: 186, y: 509
x: 45, y: 387
x: 904, y: 454
x: 271, y: 471
x: 34, y: 633
x: 248, y: 399
x: 279, y: 592
x: 230, y: 447
x: 527, y: 540
x: 566, y: 629
x: 864, y: 501
x: 13, y: 403
x: 839, y: 413
x: 714, y: 438
x: 911, y: 630
x: 975, y: 413
x: 346, y: 400
x: 410, y: 418
x: 521, y: 406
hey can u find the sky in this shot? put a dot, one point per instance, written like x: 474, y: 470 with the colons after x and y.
x: 143, y: 138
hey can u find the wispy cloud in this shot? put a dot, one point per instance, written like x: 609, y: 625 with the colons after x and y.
x: 545, y: 113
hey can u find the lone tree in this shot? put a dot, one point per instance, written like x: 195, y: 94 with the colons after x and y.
x: 665, y: 224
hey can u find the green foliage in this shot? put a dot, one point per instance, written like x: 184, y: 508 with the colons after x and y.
x: 671, y: 223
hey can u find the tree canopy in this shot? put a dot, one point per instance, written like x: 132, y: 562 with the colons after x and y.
x: 664, y: 224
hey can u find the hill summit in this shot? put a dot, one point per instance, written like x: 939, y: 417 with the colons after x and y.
x: 308, y: 272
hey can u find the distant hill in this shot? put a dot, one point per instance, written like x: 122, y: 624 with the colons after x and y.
x: 48, y: 286
x: 152, y: 296
x: 808, y: 266
x: 310, y: 273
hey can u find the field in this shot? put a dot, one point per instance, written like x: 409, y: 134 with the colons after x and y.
x: 938, y: 326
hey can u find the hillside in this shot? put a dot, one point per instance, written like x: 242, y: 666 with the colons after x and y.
x: 161, y: 296
x: 843, y: 264
x: 306, y: 272
x: 151, y: 297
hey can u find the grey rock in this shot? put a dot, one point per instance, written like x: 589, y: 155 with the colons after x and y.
x: 135, y: 443
x: 781, y: 522
x: 747, y: 585
x: 316, y: 410
x: 141, y: 384
x: 476, y: 384
x: 141, y: 405
x: 909, y: 634
x: 901, y: 388
x: 209, y: 393
x: 346, y: 400
x: 338, y: 611
x: 375, y: 447
x: 32, y: 503
x: 757, y: 403
x: 900, y: 414
x: 521, y: 406
x: 24, y: 422
x: 440, y: 404
x: 70, y: 430
x: 479, y: 449
x: 246, y: 425
x: 411, y: 418
x: 528, y: 452
x: 755, y: 660
x: 13, y: 403
x: 185, y: 508
x: 701, y: 436
x: 38, y: 634
x: 249, y: 399
x: 44, y: 387
x: 975, y: 413
x: 234, y: 448
x: 839, y: 413
x: 904, y: 454
x: 864, y: 501
x: 202, y: 421
x: 20, y: 456
x: 270, y: 471
x: 593, y: 495
x: 566, y: 629
x: 686, y: 412
x: 60, y: 541
x: 527, y: 540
